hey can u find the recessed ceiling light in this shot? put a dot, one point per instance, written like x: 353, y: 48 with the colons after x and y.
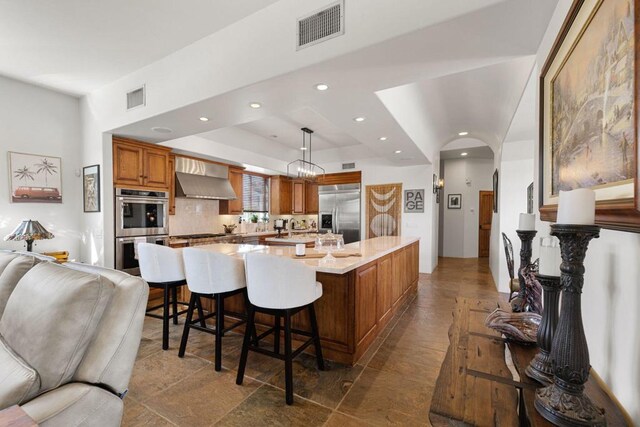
x: 359, y: 119
x: 464, y: 154
x: 303, y: 148
x: 322, y: 86
x: 161, y: 129
x: 204, y: 119
x: 463, y: 133
x: 255, y: 105
x: 398, y: 151
x: 383, y: 138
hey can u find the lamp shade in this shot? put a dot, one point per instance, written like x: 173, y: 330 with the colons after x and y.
x: 29, y: 230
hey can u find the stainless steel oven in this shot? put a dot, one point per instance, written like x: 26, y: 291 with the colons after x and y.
x: 141, y: 212
x: 127, y: 252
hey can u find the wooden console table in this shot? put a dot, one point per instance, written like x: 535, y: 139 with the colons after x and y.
x: 14, y: 416
x: 476, y: 385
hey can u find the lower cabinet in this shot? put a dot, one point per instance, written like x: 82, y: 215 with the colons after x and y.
x: 366, y: 292
x: 380, y: 289
x: 355, y: 307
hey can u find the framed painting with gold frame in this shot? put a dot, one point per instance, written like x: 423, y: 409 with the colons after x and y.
x: 589, y: 114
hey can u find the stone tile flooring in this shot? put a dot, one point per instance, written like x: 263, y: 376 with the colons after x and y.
x: 391, y: 384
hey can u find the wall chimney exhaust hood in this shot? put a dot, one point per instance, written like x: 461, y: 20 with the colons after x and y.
x: 201, y: 180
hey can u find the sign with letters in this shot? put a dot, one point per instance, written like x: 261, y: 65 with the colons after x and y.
x: 414, y: 201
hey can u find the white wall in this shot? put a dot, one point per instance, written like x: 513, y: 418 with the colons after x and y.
x: 516, y: 173
x: 459, y: 227
x: 611, y: 295
x: 378, y: 171
x: 40, y: 121
x: 98, y: 231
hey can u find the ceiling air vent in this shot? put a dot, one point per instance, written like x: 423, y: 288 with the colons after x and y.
x: 136, y: 98
x: 348, y: 166
x: 321, y: 25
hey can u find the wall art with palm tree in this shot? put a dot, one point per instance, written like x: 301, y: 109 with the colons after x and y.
x: 35, y: 178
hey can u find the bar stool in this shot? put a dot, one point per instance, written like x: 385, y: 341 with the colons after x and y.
x: 162, y: 268
x: 217, y: 276
x: 280, y: 287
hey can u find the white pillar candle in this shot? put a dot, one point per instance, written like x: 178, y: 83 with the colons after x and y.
x: 279, y: 223
x: 300, y: 249
x: 577, y: 207
x: 527, y: 222
x: 550, y: 258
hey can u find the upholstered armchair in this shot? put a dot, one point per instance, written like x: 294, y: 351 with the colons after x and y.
x: 69, y: 336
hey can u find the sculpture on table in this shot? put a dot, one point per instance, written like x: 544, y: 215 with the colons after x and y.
x: 532, y: 300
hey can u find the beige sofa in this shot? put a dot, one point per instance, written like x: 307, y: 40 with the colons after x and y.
x: 69, y: 336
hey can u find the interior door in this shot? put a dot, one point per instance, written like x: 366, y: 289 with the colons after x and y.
x: 484, y: 218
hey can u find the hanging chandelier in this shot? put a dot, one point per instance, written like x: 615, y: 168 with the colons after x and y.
x: 304, y: 168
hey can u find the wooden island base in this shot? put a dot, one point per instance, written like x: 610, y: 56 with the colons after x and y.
x: 355, y: 306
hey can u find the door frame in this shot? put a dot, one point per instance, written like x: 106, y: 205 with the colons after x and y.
x: 480, y: 194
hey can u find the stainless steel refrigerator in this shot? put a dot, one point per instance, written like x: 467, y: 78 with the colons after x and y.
x: 340, y: 210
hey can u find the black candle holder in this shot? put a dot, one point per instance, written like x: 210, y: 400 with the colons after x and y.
x: 564, y: 402
x: 540, y: 368
x: 526, y: 237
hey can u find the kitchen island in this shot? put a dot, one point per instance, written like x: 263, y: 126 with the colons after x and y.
x: 360, y: 294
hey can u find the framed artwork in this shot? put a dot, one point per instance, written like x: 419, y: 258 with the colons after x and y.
x: 454, y: 201
x: 35, y: 178
x: 588, y: 111
x: 384, y: 210
x: 91, y: 188
x: 530, y: 198
x: 414, y: 201
x: 495, y: 191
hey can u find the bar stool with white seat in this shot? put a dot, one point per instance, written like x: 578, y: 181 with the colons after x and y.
x: 211, y: 275
x: 162, y: 267
x: 280, y: 287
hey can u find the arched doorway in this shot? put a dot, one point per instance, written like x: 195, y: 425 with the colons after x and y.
x: 466, y: 203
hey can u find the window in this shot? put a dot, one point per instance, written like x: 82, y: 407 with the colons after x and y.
x: 255, y: 193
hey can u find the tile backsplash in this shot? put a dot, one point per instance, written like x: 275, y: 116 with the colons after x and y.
x: 195, y: 216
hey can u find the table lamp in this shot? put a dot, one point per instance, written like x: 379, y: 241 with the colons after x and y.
x: 29, y: 230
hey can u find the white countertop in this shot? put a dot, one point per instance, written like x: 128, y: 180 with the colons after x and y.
x: 292, y: 240
x: 256, y: 233
x: 370, y: 249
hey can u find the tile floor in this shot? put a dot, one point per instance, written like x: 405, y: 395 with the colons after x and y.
x: 391, y: 384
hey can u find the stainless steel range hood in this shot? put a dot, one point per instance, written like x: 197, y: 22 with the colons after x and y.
x: 202, y: 180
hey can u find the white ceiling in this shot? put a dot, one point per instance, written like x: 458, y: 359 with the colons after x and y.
x: 418, y: 90
x: 286, y: 129
x: 76, y: 46
x: 484, y: 152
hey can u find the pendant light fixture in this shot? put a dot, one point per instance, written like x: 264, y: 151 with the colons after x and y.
x: 304, y: 168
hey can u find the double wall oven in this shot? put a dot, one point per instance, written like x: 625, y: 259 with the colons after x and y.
x: 140, y: 216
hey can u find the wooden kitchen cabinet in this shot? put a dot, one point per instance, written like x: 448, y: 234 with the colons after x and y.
x: 140, y: 165
x: 297, y: 197
x: 293, y: 196
x: 280, y: 200
x: 311, y: 205
x: 172, y: 185
x: 233, y: 207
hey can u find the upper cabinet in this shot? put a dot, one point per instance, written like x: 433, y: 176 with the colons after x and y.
x: 297, y: 197
x: 311, y: 198
x: 140, y: 165
x: 233, y: 207
x: 293, y: 196
x: 172, y: 185
x: 280, y: 195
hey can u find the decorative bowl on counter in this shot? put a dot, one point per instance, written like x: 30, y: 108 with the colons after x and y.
x: 519, y: 327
